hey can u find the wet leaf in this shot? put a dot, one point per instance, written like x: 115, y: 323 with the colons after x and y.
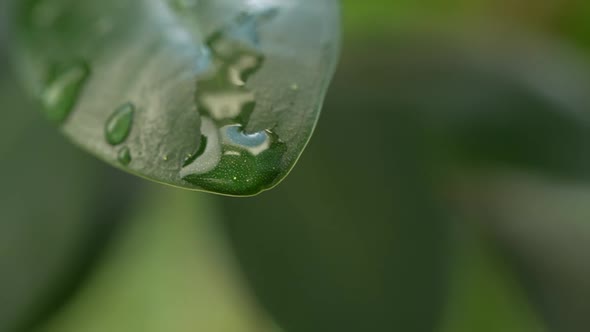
x: 240, y: 82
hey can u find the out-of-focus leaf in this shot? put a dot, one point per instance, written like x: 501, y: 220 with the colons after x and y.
x: 167, y: 270
x: 543, y: 223
x: 215, y: 95
x: 485, y: 295
x: 514, y: 107
x: 355, y: 239
x: 57, y: 207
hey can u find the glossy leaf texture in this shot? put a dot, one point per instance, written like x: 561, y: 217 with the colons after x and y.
x: 217, y: 95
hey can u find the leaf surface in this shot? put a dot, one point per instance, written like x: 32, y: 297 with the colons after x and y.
x: 221, y: 96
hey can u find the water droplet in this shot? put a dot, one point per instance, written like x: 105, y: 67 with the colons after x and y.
x: 234, y: 162
x: 230, y: 160
x: 222, y: 91
x: 165, y: 158
x: 62, y: 92
x: 294, y: 87
x: 255, y: 143
x: 124, y: 156
x: 118, y: 126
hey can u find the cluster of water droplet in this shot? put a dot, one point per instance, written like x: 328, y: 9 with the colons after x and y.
x: 228, y: 159
x: 231, y: 157
x: 117, y: 130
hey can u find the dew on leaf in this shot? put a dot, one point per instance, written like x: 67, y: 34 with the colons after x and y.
x: 124, y: 156
x: 234, y: 162
x: 118, y: 126
x: 62, y: 92
x: 230, y: 160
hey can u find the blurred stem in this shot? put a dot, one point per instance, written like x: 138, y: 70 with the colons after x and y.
x: 169, y: 270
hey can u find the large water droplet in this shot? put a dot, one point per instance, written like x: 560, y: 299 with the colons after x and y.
x: 119, y: 124
x: 124, y: 156
x: 229, y: 160
x: 234, y: 162
x: 62, y: 92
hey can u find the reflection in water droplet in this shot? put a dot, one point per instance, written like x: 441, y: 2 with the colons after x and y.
x: 62, y: 92
x: 119, y: 124
x: 254, y: 142
x: 124, y: 156
x: 234, y: 162
x: 229, y: 160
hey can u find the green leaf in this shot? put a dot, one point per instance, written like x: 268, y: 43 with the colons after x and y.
x: 543, y: 223
x: 249, y: 76
x: 484, y: 294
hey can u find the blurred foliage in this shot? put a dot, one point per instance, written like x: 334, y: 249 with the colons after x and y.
x: 484, y: 294
x: 52, y: 224
x: 543, y: 223
x: 167, y: 270
x: 368, y: 208
x: 445, y: 190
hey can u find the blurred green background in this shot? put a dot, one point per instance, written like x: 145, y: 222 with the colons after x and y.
x: 446, y: 189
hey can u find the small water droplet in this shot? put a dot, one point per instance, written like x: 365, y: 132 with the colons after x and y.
x: 294, y: 87
x: 119, y: 124
x: 255, y: 143
x: 124, y: 156
x: 222, y: 91
x: 165, y: 158
x: 62, y: 92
